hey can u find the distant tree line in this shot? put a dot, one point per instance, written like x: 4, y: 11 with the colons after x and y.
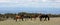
x: 11, y: 15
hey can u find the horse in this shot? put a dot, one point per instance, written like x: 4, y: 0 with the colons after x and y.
x: 18, y: 17
x: 26, y: 17
x: 44, y: 16
x: 34, y: 17
x: 30, y: 17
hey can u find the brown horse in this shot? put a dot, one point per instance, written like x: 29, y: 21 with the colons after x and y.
x: 21, y: 17
x: 34, y: 17
x: 18, y: 17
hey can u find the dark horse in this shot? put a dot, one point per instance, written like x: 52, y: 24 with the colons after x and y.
x: 44, y: 16
x: 26, y: 17
x: 29, y: 17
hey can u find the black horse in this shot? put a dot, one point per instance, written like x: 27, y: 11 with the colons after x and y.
x: 44, y: 16
x: 29, y: 17
x: 25, y: 17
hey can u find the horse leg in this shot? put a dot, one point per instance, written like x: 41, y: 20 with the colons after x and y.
x: 45, y: 19
x: 40, y: 19
x: 31, y: 18
x: 16, y: 20
x: 48, y: 18
x: 22, y: 19
x: 34, y: 18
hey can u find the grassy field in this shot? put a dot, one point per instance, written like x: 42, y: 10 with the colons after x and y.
x: 53, y: 21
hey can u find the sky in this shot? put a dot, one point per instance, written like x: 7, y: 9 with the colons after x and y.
x: 34, y: 6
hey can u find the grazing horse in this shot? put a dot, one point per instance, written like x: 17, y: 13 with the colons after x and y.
x: 21, y: 17
x: 30, y: 17
x: 18, y: 17
x: 44, y: 16
x: 26, y: 17
x: 34, y: 16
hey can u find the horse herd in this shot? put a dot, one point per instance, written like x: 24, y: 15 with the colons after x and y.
x: 32, y: 16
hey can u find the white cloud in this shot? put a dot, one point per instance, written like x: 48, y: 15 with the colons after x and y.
x: 44, y: 0
x: 30, y: 3
x: 4, y: 1
x: 53, y: 0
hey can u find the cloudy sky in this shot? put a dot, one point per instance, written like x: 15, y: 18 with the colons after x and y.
x: 36, y: 6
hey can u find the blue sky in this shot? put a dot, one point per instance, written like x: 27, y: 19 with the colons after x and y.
x: 35, y: 6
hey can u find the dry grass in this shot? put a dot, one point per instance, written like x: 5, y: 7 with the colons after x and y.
x: 53, y: 21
